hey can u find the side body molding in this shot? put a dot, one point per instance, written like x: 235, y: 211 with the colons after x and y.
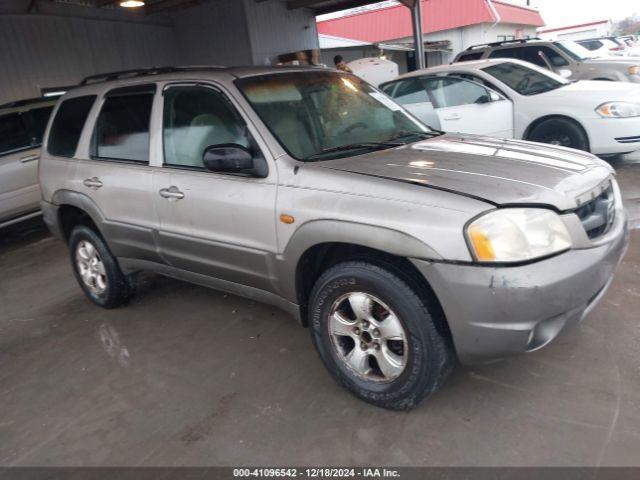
x: 317, y: 232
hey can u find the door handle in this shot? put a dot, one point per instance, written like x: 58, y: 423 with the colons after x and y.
x: 93, y: 182
x: 30, y: 158
x: 171, y: 193
x: 453, y: 116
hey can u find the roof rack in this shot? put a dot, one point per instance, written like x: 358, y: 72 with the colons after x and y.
x: 143, y: 72
x: 503, y: 42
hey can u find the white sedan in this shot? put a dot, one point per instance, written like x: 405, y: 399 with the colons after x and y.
x: 596, y: 116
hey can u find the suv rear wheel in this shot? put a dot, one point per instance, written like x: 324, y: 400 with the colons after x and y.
x: 96, y: 270
x: 376, y: 336
x: 560, y: 131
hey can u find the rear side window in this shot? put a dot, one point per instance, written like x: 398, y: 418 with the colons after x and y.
x: 13, y: 134
x: 67, y: 125
x: 470, y: 56
x: 122, y: 128
x: 507, y: 53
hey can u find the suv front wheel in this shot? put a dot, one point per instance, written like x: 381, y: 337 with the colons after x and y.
x: 97, y: 270
x: 376, y: 335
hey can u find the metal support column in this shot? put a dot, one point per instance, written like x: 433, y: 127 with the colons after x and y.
x: 416, y: 17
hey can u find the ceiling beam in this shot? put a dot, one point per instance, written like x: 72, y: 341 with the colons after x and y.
x: 163, y: 5
x: 336, y: 7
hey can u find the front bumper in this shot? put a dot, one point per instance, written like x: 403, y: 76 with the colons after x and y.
x: 604, y: 134
x: 495, y: 312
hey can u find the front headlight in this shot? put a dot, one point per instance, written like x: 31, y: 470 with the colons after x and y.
x: 619, y: 110
x: 634, y: 70
x: 517, y: 235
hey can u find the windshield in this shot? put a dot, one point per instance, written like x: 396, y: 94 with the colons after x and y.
x: 575, y: 50
x: 525, y: 80
x: 324, y: 115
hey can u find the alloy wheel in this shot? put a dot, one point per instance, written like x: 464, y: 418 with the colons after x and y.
x: 90, y: 267
x: 368, y: 337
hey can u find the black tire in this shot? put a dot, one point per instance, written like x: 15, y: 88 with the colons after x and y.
x: 560, y: 131
x: 430, y: 356
x: 118, y: 287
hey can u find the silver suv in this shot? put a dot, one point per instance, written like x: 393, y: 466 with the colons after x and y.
x: 564, y: 57
x: 22, y: 124
x: 401, y: 247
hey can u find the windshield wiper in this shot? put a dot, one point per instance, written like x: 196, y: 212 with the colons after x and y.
x: 354, y: 146
x: 416, y: 133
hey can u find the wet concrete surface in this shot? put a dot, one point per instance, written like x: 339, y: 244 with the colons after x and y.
x: 189, y: 376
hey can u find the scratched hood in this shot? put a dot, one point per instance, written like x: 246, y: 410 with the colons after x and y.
x: 494, y: 170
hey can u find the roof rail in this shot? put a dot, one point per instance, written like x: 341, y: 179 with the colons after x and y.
x: 143, y: 72
x: 503, y: 42
x: 24, y: 103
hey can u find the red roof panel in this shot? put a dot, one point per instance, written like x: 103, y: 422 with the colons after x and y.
x: 395, y: 22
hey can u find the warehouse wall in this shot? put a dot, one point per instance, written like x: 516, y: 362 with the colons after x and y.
x: 59, y: 44
x: 274, y: 30
x: 213, y: 33
x: 39, y: 51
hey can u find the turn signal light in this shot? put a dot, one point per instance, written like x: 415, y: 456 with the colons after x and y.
x: 288, y: 219
x: 481, y: 245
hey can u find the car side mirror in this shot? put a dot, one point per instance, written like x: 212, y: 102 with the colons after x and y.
x: 565, y: 72
x: 494, y: 97
x: 228, y: 158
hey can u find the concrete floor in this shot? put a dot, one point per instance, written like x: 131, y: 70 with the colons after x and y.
x: 190, y: 376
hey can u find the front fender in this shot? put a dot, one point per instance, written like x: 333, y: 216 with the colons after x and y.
x: 317, y: 232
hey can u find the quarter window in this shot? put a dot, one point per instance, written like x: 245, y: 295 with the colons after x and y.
x: 122, y: 128
x: 67, y: 125
x: 13, y: 134
x: 196, y: 118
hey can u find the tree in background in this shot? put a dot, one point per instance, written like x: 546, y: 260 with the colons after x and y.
x: 627, y: 26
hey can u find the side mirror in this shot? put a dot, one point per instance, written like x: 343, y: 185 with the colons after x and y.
x: 494, y: 97
x: 565, y: 72
x: 228, y: 157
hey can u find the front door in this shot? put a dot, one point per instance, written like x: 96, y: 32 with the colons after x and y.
x: 468, y: 107
x: 216, y: 224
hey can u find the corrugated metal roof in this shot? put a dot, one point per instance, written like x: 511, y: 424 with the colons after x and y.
x: 395, y: 22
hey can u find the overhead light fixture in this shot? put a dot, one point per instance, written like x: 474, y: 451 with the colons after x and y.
x: 132, y: 3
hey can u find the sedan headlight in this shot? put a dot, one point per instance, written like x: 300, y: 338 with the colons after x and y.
x: 634, y: 70
x: 517, y: 235
x: 619, y: 110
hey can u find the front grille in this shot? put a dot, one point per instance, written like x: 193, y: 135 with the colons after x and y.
x: 597, y: 215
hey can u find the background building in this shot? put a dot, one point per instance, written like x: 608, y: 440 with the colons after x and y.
x: 448, y: 27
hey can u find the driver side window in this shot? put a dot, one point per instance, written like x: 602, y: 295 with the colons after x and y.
x: 195, y: 118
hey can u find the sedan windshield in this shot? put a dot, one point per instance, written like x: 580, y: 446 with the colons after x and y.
x: 525, y: 80
x: 575, y: 50
x: 325, y: 115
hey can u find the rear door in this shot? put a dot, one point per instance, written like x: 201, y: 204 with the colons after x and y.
x: 468, y: 107
x: 20, y: 140
x: 117, y: 176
